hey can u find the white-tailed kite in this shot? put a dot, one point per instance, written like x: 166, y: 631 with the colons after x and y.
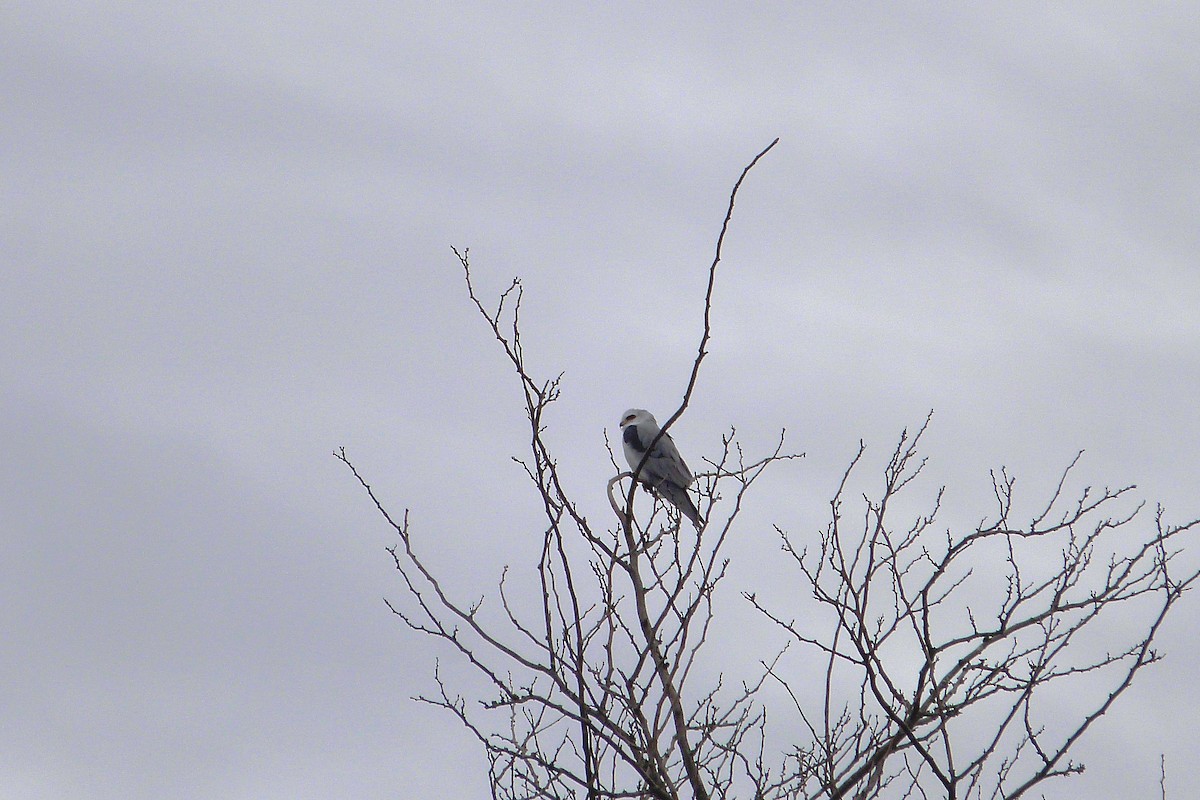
x: 664, y: 471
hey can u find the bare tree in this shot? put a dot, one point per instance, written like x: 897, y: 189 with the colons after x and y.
x: 937, y: 648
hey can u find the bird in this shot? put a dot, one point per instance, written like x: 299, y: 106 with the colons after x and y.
x: 664, y: 471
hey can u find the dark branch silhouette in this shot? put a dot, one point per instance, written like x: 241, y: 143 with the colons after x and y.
x: 939, y: 649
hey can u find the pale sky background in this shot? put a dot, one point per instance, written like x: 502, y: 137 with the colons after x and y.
x: 225, y: 236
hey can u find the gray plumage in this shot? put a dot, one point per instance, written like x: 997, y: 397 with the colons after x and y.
x: 664, y: 471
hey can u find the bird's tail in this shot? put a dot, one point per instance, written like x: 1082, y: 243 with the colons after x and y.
x: 679, y: 497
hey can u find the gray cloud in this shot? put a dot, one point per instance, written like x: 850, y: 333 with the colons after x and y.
x: 226, y: 240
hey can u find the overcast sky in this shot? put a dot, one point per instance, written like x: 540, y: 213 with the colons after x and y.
x: 225, y: 236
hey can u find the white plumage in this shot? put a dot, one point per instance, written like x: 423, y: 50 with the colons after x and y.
x: 664, y: 471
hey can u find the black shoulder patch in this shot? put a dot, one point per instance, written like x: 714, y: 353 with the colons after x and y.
x: 632, y: 439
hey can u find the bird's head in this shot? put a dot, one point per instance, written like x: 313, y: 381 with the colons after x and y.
x: 637, y: 415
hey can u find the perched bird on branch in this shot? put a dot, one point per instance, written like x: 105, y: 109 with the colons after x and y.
x: 664, y: 471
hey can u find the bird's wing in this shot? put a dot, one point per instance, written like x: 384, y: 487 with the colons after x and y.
x: 668, y: 464
x: 664, y: 470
